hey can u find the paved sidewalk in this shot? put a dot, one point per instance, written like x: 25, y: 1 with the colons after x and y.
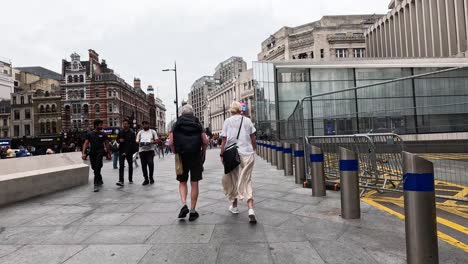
x: 137, y: 224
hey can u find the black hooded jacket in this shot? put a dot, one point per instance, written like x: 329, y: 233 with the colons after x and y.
x: 187, y: 133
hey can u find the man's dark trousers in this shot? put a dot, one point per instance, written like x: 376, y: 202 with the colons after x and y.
x: 147, y: 161
x: 96, y: 165
x: 122, y: 159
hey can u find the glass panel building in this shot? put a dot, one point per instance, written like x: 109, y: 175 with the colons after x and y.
x: 404, y: 96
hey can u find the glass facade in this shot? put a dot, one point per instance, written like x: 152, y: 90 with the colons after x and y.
x: 434, y: 103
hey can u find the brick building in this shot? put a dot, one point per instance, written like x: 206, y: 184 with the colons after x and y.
x: 90, y: 90
x: 47, y: 109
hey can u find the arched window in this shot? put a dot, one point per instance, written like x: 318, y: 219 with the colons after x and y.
x: 43, y: 128
x: 54, y: 108
x: 70, y: 78
x: 41, y: 109
x: 85, y: 109
x: 97, y: 108
x: 22, y: 99
x: 54, y: 126
x: 48, y: 127
x: 47, y: 108
x: 81, y: 78
x: 67, y: 108
x: 75, y: 78
x: 82, y: 94
x: 110, y: 108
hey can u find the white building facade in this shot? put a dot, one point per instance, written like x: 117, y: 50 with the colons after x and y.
x: 6, y: 80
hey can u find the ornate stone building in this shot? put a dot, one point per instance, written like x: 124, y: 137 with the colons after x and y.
x: 329, y: 38
x: 47, y: 109
x: 5, y: 118
x: 90, y: 90
x: 160, y: 116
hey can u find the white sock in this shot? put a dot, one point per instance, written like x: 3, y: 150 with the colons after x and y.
x: 192, y: 210
x: 251, y: 212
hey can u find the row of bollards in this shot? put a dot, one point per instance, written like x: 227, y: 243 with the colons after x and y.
x: 418, y: 187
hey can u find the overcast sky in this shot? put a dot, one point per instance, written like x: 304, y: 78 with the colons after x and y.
x: 139, y: 38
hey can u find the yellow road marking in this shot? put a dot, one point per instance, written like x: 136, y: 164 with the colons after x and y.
x: 450, y: 240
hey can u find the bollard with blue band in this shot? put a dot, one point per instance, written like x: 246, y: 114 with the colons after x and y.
x: 317, y: 172
x: 259, y: 144
x: 269, y: 151
x: 279, y: 156
x: 288, y: 162
x: 262, y: 143
x: 420, y: 210
x: 274, y: 157
x: 263, y: 150
x: 349, y: 178
x: 299, y: 163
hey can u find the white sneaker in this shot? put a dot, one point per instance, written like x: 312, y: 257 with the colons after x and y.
x: 252, y: 218
x: 233, y: 210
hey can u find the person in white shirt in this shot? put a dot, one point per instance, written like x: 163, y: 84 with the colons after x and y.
x: 146, y: 140
x: 237, y: 184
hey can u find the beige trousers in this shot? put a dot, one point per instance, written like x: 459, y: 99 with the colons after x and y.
x: 238, y: 183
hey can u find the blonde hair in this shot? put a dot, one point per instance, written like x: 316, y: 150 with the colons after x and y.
x: 236, y: 108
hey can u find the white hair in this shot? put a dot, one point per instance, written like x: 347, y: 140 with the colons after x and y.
x: 187, y: 109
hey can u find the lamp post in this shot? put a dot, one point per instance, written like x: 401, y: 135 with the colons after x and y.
x: 177, y: 98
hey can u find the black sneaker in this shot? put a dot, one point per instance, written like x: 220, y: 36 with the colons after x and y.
x: 146, y: 182
x: 151, y: 181
x: 193, y: 216
x: 130, y: 182
x: 100, y: 183
x: 121, y: 184
x: 184, y: 211
x: 252, y: 219
x: 96, y: 188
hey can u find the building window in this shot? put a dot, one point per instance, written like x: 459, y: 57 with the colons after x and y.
x: 110, y: 108
x: 359, y: 53
x: 54, y: 108
x: 341, y: 53
x: 110, y: 93
x: 17, y: 114
x: 82, y: 94
x: 22, y: 100
x: 43, y: 131
x: 75, y: 126
x: 75, y: 78
x: 47, y: 108
x: 27, y: 114
x: 16, y: 131
x: 322, y: 53
x: 5, y: 134
x: 48, y: 126
x: 81, y: 78
x: 76, y: 108
x: 14, y: 99
x: 30, y: 98
x: 97, y: 92
x: 85, y: 109
x: 312, y: 54
x: 5, y: 122
x: 97, y: 108
x: 302, y: 56
x: 70, y: 79
x: 27, y: 130
x: 54, y: 127
x: 41, y: 109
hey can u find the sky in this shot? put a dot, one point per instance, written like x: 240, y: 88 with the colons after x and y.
x: 140, y: 38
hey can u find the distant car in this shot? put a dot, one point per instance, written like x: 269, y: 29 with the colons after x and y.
x: 16, y: 153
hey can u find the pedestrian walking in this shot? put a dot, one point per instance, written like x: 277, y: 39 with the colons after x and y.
x: 160, y: 147
x: 189, y: 142
x: 99, y: 147
x: 115, y: 153
x: 146, y: 140
x: 239, y: 134
x: 167, y: 144
x: 127, y: 148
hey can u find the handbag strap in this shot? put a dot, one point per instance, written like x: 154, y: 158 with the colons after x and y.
x: 238, y: 133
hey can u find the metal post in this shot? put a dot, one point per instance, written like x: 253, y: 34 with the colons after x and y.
x: 299, y: 163
x: 349, y: 167
x: 279, y: 156
x: 420, y: 210
x: 288, y: 163
x: 274, y: 151
x: 176, y: 92
x: 262, y: 150
x: 269, y: 151
x: 317, y: 172
x: 259, y: 145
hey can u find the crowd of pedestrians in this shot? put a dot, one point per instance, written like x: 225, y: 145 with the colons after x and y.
x: 189, y: 143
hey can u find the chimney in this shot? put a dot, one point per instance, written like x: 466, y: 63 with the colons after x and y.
x: 136, y: 83
x: 93, y: 56
x: 150, y: 89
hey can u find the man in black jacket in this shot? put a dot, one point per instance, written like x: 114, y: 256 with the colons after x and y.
x: 189, y: 141
x: 127, y: 148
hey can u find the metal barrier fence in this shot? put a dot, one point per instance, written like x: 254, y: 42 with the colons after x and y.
x: 379, y: 158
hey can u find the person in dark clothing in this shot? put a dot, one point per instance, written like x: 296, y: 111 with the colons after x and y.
x: 127, y: 148
x: 189, y: 141
x: 99, y: 147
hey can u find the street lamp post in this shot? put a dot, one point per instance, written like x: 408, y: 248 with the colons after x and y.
x: 224, y: 111
x: 177, y: 98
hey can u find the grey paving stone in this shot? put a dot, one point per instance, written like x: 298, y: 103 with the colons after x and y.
x: 70, y: 235
x: 182, y: 234
x: 301, y: 198
x: 55, y: 220
x: 104, y: 219
x: 386, y: 257
x: 270, y: 217
x: 277, y: 234
x: 336, y: 252
x: 151, y: 219
x: 28, y: 207
x: 73, y: 209
x: 318, y: 229
x: 391, y: 241
x: 258, y: 253
x: 41, y: 254
x: 158, y: 207
x: 209, y: 218
x: 8, y: 249
x: 116, y: 208
x: 268, y: 194
x: 122, y: 235
x: 110, y: 254
x: 278, y: 205
x: 216, y: 195
x: 17, y: 219
x: 295, y: 253
x: 277, y: 187
x: 24, y: 235
x: 238, y: 233
x: 181, y: 254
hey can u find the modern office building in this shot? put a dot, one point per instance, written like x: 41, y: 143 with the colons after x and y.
x: 229, y: 69
x: 420, y: 28
x: 435, y: 102
x: 198, y: 97
x: 332, y: 37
